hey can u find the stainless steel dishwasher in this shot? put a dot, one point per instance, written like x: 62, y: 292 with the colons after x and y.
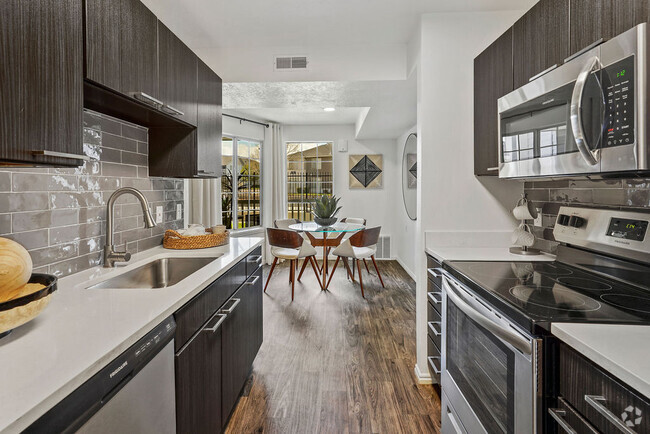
x: 135, y: 393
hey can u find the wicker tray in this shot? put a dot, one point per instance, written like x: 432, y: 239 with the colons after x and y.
x: 174, y: 240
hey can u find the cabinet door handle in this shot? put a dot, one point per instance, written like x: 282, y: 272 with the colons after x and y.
x: 433, y: 329
x: 433, y: 298
x: 171, y: 110
x: 454, y: 422
x: 434, y: 272
x: 598, y: 403
x: 433, y: 365
x: 255, y: 279
x: 214, y: 328
x: 47, y: 153
x: 205, y: 172
x: 258, y: 259
x: 558, y: 414
x: 235, y: 301
x: 492, y: 169
x: 147, y: 99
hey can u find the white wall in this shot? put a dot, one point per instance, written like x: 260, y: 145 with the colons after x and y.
x: 403, y: 244
x: 377, y: 206
x: 451, y: 198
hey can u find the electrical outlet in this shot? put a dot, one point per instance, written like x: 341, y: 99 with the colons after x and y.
x: 538, y: 220
x: 179, y: 211
x: 159, y: 214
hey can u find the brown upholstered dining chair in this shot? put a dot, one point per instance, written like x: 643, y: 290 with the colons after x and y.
x: 361, y: 245
x: 290, y: 245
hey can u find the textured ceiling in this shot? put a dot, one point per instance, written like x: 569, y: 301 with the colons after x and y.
x: 392, y: 104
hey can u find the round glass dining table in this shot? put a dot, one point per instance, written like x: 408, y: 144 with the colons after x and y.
x: 337, y: 231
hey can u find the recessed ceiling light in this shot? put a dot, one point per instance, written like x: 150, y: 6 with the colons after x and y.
x: 329, y: 109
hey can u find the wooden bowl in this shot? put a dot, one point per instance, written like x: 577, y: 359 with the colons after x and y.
x: 16, y: 312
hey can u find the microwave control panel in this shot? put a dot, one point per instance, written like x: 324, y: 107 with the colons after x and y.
x: 618, y: 85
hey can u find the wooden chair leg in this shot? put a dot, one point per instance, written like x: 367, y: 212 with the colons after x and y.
x: 360, y: 278
x: 378, y: 273
x: 275, y: 261
x: 338, y: 258
x: 366, y: 264
x: 313, y: 263
x: 292, y: 278
x: 347, y: 268
x: 302, y: 270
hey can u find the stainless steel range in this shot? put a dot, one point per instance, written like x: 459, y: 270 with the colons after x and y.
x: 498, y: 366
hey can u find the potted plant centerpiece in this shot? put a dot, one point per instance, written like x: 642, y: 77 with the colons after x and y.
x: 325, y: 210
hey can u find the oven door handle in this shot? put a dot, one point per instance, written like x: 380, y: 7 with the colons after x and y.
x: 591, y: 157
x: 506, y: 335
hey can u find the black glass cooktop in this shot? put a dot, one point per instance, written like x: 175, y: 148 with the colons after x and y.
x: 536, y: 294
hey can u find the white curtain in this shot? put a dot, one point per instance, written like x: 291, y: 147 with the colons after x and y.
x: 205, y: 202
x: 279, y: 179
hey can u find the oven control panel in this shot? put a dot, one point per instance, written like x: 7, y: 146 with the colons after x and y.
x: 621, y: 233
x: 618, y: 85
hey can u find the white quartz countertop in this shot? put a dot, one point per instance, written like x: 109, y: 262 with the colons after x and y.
x: 82, y: 330
x: 622, y: 350
x: 475, y: 246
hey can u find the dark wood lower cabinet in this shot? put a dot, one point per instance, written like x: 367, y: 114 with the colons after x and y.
x: 241, y: 340
x: 604, y: 402
x: 213, y: 365
x: 198, y: 383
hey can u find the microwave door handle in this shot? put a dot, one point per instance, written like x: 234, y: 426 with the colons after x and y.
x: 499, y: 331
x: 591, y: 157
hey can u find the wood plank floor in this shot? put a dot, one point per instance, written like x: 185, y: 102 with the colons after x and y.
x: 332, y: 362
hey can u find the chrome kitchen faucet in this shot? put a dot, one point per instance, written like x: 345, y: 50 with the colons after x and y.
x: 110, y: 255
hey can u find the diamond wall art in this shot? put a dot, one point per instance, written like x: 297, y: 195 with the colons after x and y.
x: 412, y: 164
x: 366, y: 171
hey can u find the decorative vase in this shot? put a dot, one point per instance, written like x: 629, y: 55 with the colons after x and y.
x: 325, y: 222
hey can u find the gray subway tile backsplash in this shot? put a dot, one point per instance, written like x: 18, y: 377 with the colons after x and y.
x: 59, y: 214
x: 624, y: 194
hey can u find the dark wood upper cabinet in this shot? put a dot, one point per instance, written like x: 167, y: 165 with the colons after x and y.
x: 138, y: 28
x: 492, y: 80
x: 177, y: 74
x: 209, y: 127
x: 103, y: 42
x: 41, y: 81
x: 540, y: 39
x: 591, y: 20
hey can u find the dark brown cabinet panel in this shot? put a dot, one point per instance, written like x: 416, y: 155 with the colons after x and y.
x: 103, y: 42
x: 492, y: 80
x: 198, y: 383
x: 208, y: 125
x: 591, y: 20
x: 540, y: 39
x: 580, y: 380
x: 41, y: 79
x: 138, y: 49
x: 242, y: 337
x: 177, y: 75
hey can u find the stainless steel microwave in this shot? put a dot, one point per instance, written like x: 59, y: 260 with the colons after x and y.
x: 586, y: 117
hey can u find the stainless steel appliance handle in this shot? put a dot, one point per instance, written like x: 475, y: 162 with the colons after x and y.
x: 255, y: 279
x: 498, y: 330
x: 435, y: 300
x: 47, y: 153
x: 558, y: 414
x: 597, y: 402
x: 214, y: 328
x: 454, y: 422
x: 234, y: 305
x: 171, y: 110
x: 591, y: 157
x: 433, y: 329
x: 148, y: 99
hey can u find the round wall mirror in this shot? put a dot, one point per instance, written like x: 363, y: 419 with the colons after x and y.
x: 410, y: 175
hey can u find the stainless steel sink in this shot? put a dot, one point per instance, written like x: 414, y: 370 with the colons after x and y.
x: 156, y: 274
